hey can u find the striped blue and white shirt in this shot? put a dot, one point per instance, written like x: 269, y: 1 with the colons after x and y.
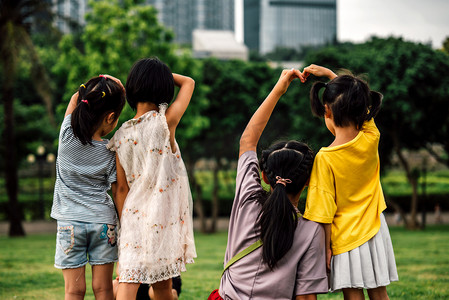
x: 84, y: 174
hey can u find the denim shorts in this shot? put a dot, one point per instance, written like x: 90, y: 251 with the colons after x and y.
x: 80, y: 242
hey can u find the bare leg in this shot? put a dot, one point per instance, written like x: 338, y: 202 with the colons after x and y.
x: 163, y: 290
x: 379, y: 293
x: 127, y: 290
x: 75, y: 283
x: 101, y: 281
x: 353, y: 294
x: 151, y: 293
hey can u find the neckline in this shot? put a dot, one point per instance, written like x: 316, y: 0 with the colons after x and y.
x: 345, y: 145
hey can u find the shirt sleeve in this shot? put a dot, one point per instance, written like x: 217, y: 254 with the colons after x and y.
x: 112, y: 144
x: 66, y: 131
x: 112, y: 176
x: 311, y: 275
x: 371, y: 128
x: 248, y: 178
x: 320, y: 202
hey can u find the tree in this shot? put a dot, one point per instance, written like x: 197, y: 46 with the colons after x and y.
x: 414, y: 79
x: 15, y: 18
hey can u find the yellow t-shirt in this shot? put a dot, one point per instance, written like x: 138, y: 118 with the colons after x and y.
x: 345, y: 190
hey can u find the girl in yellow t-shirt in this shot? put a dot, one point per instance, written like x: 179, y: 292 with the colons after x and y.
x: 345, y: 193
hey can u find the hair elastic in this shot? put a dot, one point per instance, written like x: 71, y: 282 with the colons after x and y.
x: 82, y: 85
x: 105, y: 78
x: 85, y: 101
x: 283, y: 181
x: 104, y: 94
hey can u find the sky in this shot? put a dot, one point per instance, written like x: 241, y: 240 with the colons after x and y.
x: 415, y: 20
x: 425, y: 21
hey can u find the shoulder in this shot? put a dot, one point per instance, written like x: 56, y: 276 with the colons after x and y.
x: 66, y: 128
x: 370, y: 128
x: 248, y: 179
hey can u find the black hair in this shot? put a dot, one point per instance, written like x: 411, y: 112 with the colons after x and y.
x: 277, y: 219
x: 96, y: 99
x: 149, y: 80
x: 349, y: 98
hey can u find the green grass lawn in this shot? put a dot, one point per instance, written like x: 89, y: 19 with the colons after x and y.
x: 27, y: 272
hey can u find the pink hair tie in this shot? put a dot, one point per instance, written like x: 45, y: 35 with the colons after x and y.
x: 105, y: 78
x: 85, y: 101
x: 282, y: 180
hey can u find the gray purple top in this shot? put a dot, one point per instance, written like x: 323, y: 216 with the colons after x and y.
x: 301, y: 271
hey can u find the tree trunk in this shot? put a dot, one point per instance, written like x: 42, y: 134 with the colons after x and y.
x: 215, y: 200
x: 398, y: 209
x: 413, y: 180
x: 198, y: 201
x: 11, y: 176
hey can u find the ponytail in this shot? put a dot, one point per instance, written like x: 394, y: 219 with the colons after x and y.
x: 277, y: 221
x: 376, y: 101
x: 315, y: 102
x: 287, y: 167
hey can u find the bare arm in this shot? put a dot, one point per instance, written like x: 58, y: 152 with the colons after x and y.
x: 122, y: 188
x: 318, y: 71
x: 327, y: 232
x: 178, y: 107
x: 259, y: 120
x: 306, y: 297
x: 72, y: 104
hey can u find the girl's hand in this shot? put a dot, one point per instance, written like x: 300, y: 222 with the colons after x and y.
x: 113, y: 78
x: 328, y: 259
x: 286, y: 78
x: 318, y: 71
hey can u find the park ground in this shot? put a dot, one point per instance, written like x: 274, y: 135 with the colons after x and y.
x: 27, y: 272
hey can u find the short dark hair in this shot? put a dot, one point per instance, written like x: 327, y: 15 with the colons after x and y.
x: 277, y: 218
x: 349, y: 98
x: 149, y: 80
x: 96, y: 99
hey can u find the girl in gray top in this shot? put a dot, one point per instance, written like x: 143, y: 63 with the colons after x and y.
x: 291, y: 262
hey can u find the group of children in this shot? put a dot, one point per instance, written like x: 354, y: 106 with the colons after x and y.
x: 143, y: 168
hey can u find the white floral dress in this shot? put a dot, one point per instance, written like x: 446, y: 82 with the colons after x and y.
x: 156, y: 234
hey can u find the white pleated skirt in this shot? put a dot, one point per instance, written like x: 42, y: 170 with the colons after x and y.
x: 368, y: 266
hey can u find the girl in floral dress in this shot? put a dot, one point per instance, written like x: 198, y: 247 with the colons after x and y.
x: 153, y: 194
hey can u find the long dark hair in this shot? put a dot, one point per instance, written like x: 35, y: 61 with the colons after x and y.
x: 149, y: 80
x: 278, y: 219
x: 349, y: 98
x: 96, y: 99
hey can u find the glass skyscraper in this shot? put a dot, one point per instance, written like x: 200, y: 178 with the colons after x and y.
x: 289, y: 23
x: 184, y: 16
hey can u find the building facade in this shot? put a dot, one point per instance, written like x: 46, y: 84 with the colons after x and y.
x: 289, y: 23
x: 184, y: 16
x: 69, y: 14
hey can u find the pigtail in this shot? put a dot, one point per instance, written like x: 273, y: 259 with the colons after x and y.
x: 81, y: 117
x: 315, y: 103
x: 376, y: 102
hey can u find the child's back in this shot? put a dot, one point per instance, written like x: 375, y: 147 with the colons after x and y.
x: 158, y: 201
x: 156, y: 235
x: 86, y: 171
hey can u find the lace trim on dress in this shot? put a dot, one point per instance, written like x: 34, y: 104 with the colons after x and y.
x: 138, y: 275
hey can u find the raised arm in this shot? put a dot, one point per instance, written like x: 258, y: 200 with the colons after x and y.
x: 259, y: 120
x: 178, y: 107
x: 318, y: 71
x: 72, y: 104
